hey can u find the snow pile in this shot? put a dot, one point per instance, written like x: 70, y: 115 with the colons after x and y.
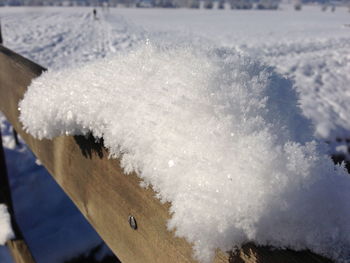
x: 6, y: 232
x: 217, y: 134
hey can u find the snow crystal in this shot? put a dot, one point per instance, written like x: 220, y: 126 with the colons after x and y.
x: 215, y: 133
x: 5, y: 225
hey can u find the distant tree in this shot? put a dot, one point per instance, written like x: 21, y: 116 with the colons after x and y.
x: 208, y: 4
x: 297, y: 5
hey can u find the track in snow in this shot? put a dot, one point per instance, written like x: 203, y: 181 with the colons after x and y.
x: 57, y: 39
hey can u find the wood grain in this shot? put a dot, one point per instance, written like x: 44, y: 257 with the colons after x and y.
x: 20, y: 251
x: 105, y: 195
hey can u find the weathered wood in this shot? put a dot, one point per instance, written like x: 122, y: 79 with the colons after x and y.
x: 99, y: 188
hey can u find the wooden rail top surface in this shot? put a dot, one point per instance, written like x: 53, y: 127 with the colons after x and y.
x: 106, y: 196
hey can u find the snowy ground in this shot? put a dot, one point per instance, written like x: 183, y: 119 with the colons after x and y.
x: 311, y: 47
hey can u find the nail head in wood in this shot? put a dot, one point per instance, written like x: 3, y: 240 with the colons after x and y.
x: 132, y: 222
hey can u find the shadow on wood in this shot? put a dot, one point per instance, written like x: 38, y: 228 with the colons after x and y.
x: 90, y: 145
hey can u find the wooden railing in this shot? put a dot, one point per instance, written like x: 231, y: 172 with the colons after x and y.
x: 107, y: 197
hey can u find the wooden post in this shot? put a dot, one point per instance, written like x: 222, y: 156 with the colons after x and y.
x: 17, y: 246
x: 5, y: 192
x: 0, y: 34
x: 15, y: 136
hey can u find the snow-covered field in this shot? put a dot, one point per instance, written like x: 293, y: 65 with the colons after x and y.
x: 311, y: 48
